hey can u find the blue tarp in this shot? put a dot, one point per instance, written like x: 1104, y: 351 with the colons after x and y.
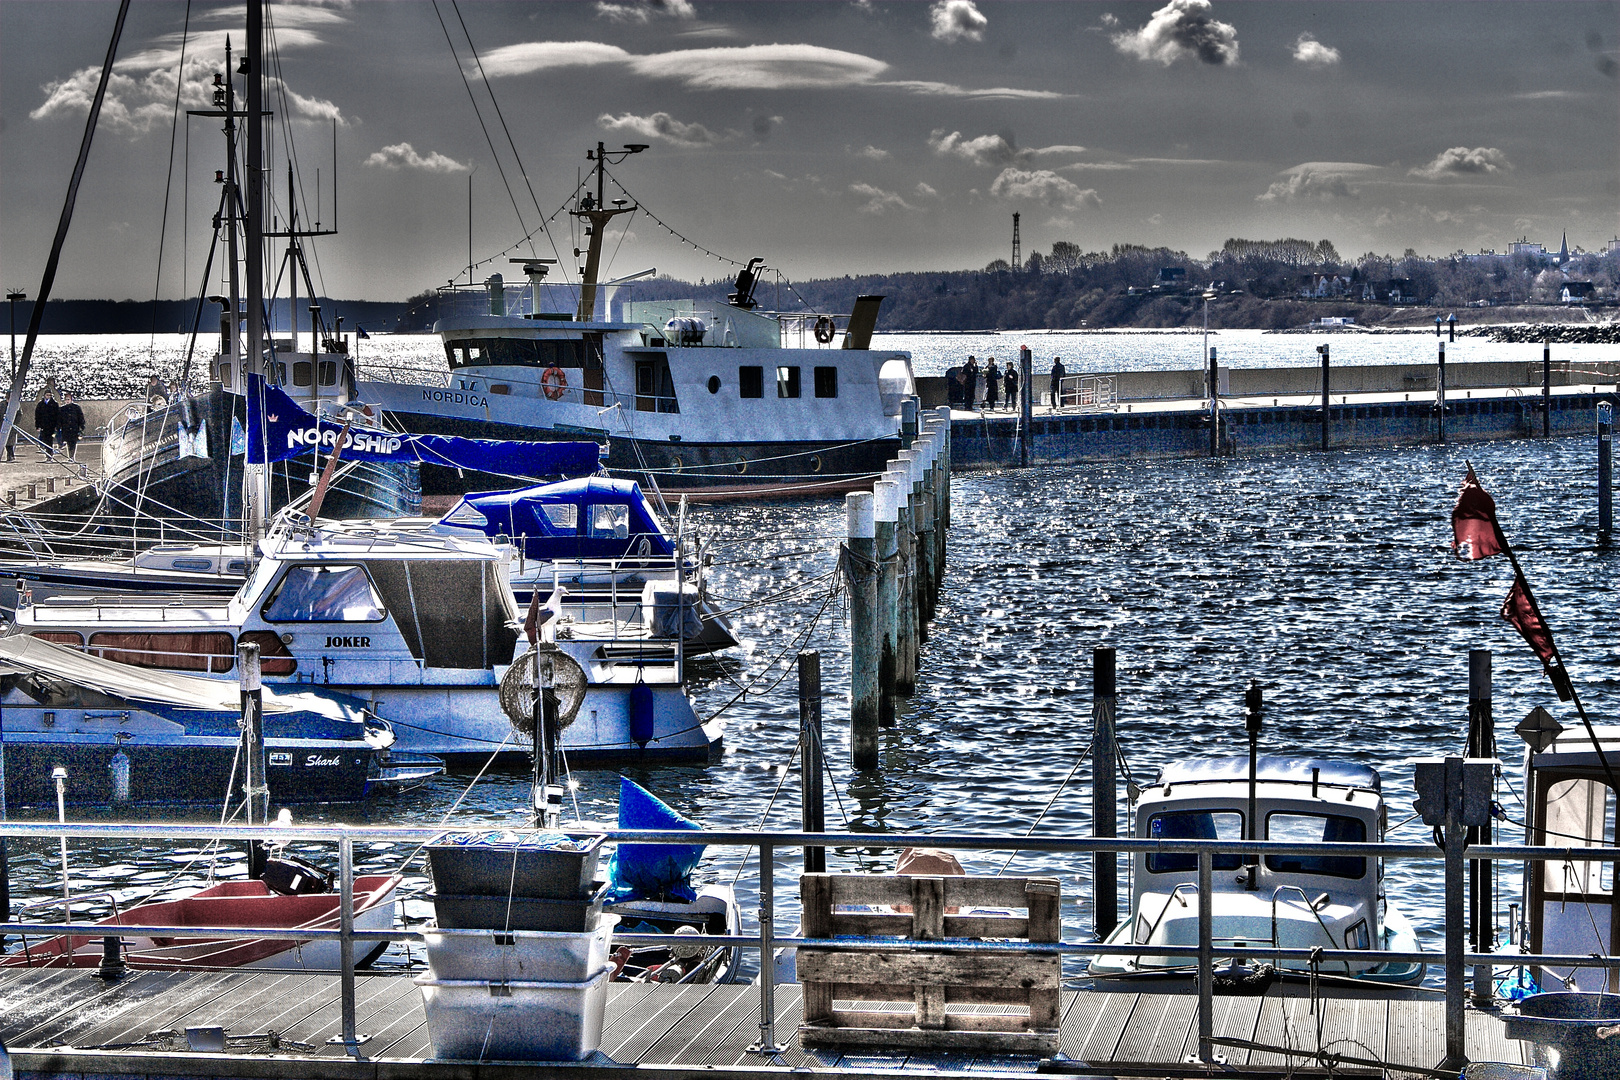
x: 651, y: 871
x: 582, y: 533
x: 289, y: 430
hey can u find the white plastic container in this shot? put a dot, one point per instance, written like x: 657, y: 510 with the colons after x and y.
x: 478, y: 1020
x: 518, y: 955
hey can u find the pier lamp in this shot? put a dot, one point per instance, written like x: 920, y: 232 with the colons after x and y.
x: 1209, y: 294
x: 14, y: 295
x: 1437, y: 321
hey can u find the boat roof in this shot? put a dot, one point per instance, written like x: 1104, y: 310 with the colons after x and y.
x: 366, y: 538
x: 1573, y: 749
x: 1283, y: 768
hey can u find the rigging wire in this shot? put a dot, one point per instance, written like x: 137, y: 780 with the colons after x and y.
x: 168, y: 185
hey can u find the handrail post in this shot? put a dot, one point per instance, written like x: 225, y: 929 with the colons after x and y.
x: 1206, y: 957
x: 767, y: 960
x: 351, y: 1041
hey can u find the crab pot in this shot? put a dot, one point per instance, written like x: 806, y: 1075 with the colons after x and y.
x: 1565, y: 1031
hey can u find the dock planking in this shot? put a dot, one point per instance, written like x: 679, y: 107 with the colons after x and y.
x: 64, y: 1013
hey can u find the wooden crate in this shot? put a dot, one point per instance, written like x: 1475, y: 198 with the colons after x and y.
x: 931, y: 978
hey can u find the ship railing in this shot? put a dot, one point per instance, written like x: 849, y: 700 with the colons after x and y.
x: 799, y: 329
x: 765, y: 942
x: 1085, y: 393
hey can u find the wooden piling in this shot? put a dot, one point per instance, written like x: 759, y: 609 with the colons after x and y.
x: 1481, y: 744
x: 1104, y: 794
x: 1323, y: 349
x: 943, y: 515
x: 1214, y: 405
x: 1440, y: 391
x: 886, y: 523
x: 927, y: 543
x: 865, y: 644
x: 33, y: 491
x: 1026, y: 383
x: 905, y: 638
x: 908, y: 422
x: 1546, y: 387
x: 812, y: 816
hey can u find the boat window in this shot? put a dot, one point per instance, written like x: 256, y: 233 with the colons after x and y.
x: 1193, y: 825
x: 1579, y: 813
x: 535, y: 352
x: 655, y: 388
x: 564, y: 516
x: 1316, y: 829
x: 750, y: 381
x: 326, y: 371
x: 787, y: 382
x: 213, y: 653
x: 303, y: 373
x: 460, y: 353
x: 324, y: 594
x: 455, y: 613
x: 826, y: 382
x: 610, y: 521
x: 192, y: 564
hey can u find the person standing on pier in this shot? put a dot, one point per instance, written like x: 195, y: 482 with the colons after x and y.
x: 970, y: 382
x: 1009, y: 382
x: 45, y: 410
x: 70, y: 424
x: 992, y: 383
x: 1057, y: 381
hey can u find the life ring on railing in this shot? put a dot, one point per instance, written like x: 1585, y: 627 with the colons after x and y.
x: 825, y: 329
x: 553, y: 382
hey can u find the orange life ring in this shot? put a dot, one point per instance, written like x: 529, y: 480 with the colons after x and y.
x: 553, y: 382
x: 825, y: 329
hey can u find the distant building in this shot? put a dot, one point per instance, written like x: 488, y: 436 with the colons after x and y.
x: 1522, y: 246
x: 1577, y: 292
x: 1323, y: 286
x: 1172, y: 275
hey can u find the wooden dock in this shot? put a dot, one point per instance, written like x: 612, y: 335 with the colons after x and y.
x: 73, y: 1024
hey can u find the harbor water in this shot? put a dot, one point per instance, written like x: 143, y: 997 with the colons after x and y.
x: 1328, y: 577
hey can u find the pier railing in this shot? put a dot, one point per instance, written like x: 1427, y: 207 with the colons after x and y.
x: 766, y: 941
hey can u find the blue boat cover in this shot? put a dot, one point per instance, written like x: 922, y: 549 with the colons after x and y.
x: 533, y: 514
x: 279, y: 428
x: 651, y: 871
x: 1270, y: 767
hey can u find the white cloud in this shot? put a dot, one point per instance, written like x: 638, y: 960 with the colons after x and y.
x: 1322, y: 181
x: 660, y: 126
x: 991, y: 150
x: 1307, y: 50
x: 760, y: 67
x: 1180, y: 29
x: 1548, y: 95
x: 924, y: 191
x: 871, y: 153
x: 992, y: 93
x: 1044, y: 186
x: 879, y: 201
x: 1461, y: 161
x: 641, y: 11
x: 404, y: 156
x: 956, y: 20
x: 530, y: 56
x: 1097, y: 166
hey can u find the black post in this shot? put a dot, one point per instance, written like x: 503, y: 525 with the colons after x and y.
x: 1451, y: 327
x: 812, y: 810
x: 257, y: 789
x: 1440, y: 387
x: 1214, y: 405
x: 1104, y: 813
x: 1546, y: 387
x: 1323, y: 349
x: 1481, y: 744
x: 1456, y: 842
x: 1605, y: 464
x: 1254, y: 711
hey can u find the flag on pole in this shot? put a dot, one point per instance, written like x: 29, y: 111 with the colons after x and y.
x: 1473, y: 522
x: 1521, y: 610
x: 362, y: 333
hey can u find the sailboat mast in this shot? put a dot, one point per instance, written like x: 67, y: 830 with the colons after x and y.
x: 233, y: 343
x: 257, y: 476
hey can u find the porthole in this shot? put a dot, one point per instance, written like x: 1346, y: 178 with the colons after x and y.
x: 714, y: 384
x: 815, y: 462
x: 742, y: 466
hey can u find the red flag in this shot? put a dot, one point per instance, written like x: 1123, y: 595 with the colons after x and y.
x: 1473, y: 522
x: 1520, y: 609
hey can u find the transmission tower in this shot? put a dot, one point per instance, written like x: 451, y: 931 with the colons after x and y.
x: 1017, y: 259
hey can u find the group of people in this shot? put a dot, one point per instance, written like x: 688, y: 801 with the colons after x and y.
x: 968, y: 387
x: 59, y: 421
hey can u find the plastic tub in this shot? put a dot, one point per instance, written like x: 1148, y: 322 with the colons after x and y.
x: 516, y: 870
x: 1564, y: 1031
x: 577, y: 916
x: 519, y: 955
x: 514, y: 1021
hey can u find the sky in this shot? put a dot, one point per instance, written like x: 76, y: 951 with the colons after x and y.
x: 828, y: 138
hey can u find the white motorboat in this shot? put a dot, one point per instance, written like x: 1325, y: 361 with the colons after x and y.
x: 1281, y: 901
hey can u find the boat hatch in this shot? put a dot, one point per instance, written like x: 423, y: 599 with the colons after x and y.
x: 452, y: 613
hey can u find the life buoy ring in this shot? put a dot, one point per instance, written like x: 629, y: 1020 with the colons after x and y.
x: 553, y: 382
x: 825, y: 329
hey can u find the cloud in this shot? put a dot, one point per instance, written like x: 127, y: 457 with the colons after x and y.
x: 1461, y: 161
x: 956, y: 20
x: 1097, y: 166
x: 1307, y: 50
x: 993, y: 93
x: 1322, y: 181
x: 404, y: 156
x: 870, y: 152
x: 1044, y: 186
x: 1548, y: 95
x: 879, y: 201
x: 924, y: 191
x: 660, y: 126
x: 529, y: 56
x: 641, y: 11
x: 1181, y: 28
x: 991, y: 150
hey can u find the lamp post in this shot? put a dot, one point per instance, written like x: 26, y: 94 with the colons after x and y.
x: 14, y: 295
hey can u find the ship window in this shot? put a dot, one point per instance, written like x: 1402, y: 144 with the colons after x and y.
x: 655, y: 388
x: 610, y: 521
x: 751, y: 381
x: 1579, y: 813
x: 213, y: 653
x: 787, y: 382
x: 1316, y: 829
x: 461, y: 353
x: 303, y: 373
x: 826, y: 382
x: 324, y: 594
x: 1193, y: 825
x: 326, y: 372
x: 564, y: 516
x: 227, y: 372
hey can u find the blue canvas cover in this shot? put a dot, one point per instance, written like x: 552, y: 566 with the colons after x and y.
x: 531, y: 513
x: 1286, y: 767
x: 651, y: 871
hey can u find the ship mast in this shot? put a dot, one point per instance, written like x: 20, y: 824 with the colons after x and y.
x: 257, y: 477
x: 596, y: 216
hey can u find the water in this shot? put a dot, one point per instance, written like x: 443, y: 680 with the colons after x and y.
x: 1326, y: 576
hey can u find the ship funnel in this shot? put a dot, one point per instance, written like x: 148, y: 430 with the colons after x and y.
x: 862, y: 321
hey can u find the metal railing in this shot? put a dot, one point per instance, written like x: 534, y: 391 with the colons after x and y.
x: 1085, y: 393
x: 1202, y: 955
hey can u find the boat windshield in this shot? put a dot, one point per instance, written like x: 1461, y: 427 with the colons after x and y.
x: 324, y: 594
x: 1193, y: 825
x: 1316, y: 829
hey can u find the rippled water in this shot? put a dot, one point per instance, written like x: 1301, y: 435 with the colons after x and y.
x: 1327, y: 576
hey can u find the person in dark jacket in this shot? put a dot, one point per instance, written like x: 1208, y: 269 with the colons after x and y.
x: 992, y: 384
x: 1009, y: 382
x: 970, y: 382
x: 70, y: 424
x: 45, y: 416
x: 1057, y: 380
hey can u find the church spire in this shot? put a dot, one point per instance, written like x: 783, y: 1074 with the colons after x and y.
x: 1563, y: 249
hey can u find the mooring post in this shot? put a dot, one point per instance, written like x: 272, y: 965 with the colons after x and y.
x: 919, y: 568
x: 865, y: 643
x: 351, y: 1038
x: 908, y: 422
x: 1206, y: 957
x: 943, y: 517
x: 1214, y: 405
x: 1546, y: 387
x: 925, y: 532
x: 905, y: 636
x: 1456, y: 839
x: 1605, y: 465
x: 1104, y: 814
x: 1440, y: 391
x: 1026, y: 384
x: 1323, y: 349
x: 1481, y: 744
x: 886, y: 527
x: 257, y: 788
x: 812, y: 816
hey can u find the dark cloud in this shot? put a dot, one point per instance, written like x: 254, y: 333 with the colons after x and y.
x: 1181, y: 28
